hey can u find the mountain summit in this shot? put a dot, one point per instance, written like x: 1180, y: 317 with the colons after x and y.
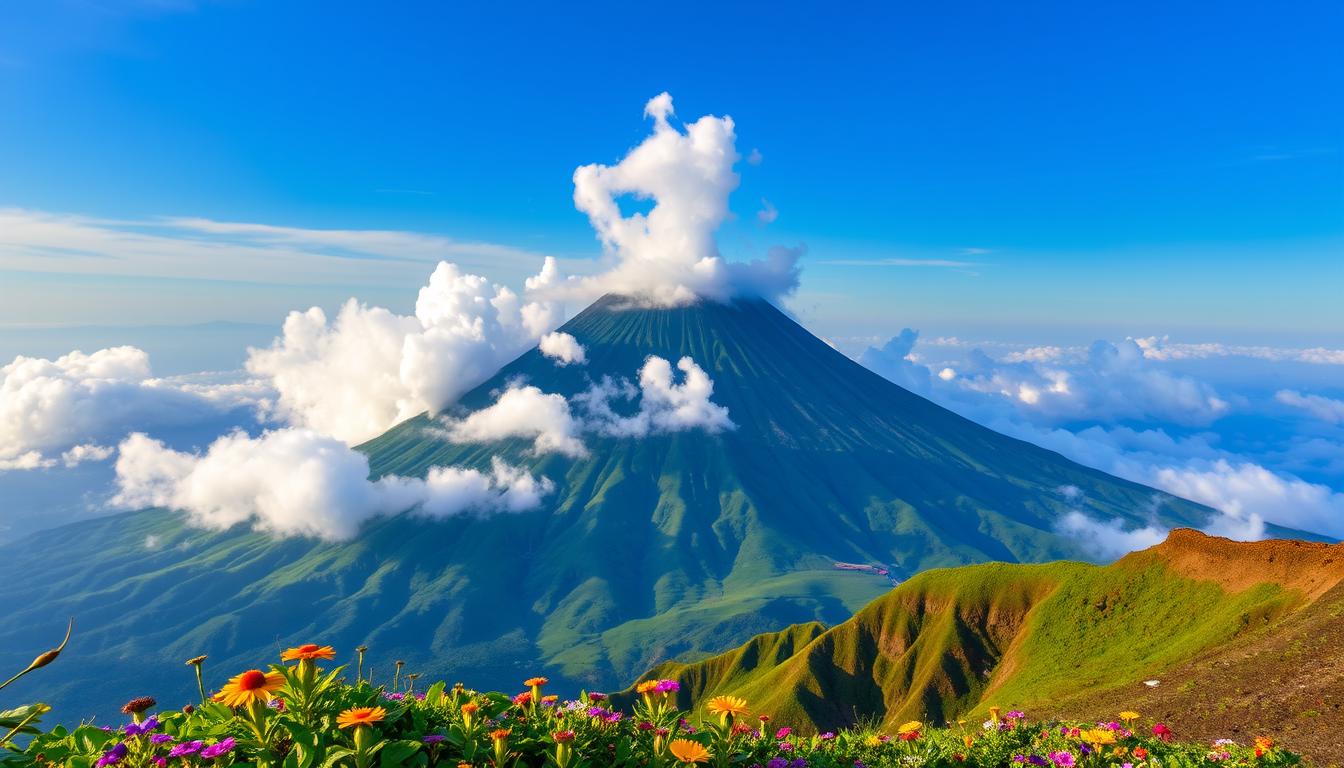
x: 647, y: 548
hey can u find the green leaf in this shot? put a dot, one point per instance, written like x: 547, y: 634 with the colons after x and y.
x: 395, y: 753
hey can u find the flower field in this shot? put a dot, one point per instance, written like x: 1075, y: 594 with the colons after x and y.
x: 301, y: 712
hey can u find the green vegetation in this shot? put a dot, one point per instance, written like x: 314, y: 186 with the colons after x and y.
x: 950, y: 642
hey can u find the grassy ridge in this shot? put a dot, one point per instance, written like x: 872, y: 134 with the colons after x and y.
x: 950, y: 642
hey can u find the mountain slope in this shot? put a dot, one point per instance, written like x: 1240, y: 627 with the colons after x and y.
x: 1069, y: 638
x: 652, y: 548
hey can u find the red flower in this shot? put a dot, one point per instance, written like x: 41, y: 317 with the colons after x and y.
x: 1162, y: 732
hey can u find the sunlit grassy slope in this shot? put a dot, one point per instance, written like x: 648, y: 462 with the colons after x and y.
x: 949, y: 643
x: 668, y: 546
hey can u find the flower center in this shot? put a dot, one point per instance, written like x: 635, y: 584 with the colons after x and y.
x: 252, y: 680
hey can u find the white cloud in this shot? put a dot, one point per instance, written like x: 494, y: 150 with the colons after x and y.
x: 370, y: 368
x: 523, y: 412
x: 563, y: 348
x: 1162, y: 348
x: 664, y: 406
x: 1107, y: 539
x: 73, y: 403
x: 668, y: 256
x: 87, y: 452
x: 1324, y: 408
x: 768, y: 213
x: 754, y: 157
x: 295, y: 482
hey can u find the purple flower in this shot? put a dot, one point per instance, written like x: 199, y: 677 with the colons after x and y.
x: 1016, y: 714
x: 186, y: 748
x: 160, y: 738
x: 798, y: 763
x: 785, y: 746
x: 394, y: 696
x: 827, y: 736
x: 433, y: 738
x: 783, y: 733
x: 777, y: 762
x: 218, y: 748
x: 113, y: 755
x: 1038, y: 761
x: 645, y: 725
x: 613, y: 717
x: 597, y: 697
x: 159, y: 760
x: 1062, y: 759
x: 667, y: 686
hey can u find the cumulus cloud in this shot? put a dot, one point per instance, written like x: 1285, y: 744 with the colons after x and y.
x: 892, y: 361
x: 71, y: 405
x: 524, y: 412
x: 664, y: 404
x: 668, y: 256
x: 1326, y: 409
x: 369, y: 368
x: 296, y: 482
x: 1115, y: 382
x: 563, y: 348
x: 660, y: 403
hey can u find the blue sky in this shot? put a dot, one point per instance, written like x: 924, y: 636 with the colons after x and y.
x: 1140, y: 169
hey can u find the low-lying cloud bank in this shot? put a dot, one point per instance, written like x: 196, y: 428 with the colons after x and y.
x: 72, y: 409
x: 555, y: 425
x: 296, y: 482
x: 1114, y: 407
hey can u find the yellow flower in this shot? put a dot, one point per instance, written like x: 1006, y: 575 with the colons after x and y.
x: 196, y: 661
x: 994, y: 714
x: 536, y: 682
x: 252, y: 685
x: 910, y: 727
x: 1129, y: 716
x: 872, y: 741
x: 309, y: 652
x: 1098, y: 736
x: 687, y: 751
x: 360, y: 716
x: 727, y: 705
x: 968, y: 740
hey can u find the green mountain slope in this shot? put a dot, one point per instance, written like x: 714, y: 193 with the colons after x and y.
x: 1065, y: 638
x: 667, y: 546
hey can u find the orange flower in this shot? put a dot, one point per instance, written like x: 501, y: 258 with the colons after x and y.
x: 968, y: 740
x: 535, y: 682
x: 470, y: 708
x: 687, y: 751
x: 252, y: 685
x: 563, y: 737
x: 552, y: 698
x: 499, y: 734
x: 308, y: 652
x: 727, y: 705
x: 361, y: 716
x: 1140, y: 752
x: 648, y: 686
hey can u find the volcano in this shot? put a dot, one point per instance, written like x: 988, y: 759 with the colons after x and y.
x: 833, y: 483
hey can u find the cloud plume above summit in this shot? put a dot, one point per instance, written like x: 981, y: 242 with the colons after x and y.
x: 669, y: 255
